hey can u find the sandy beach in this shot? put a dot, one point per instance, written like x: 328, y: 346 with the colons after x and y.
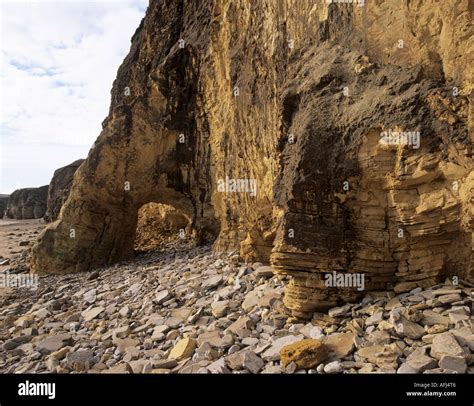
x: 16, y: 236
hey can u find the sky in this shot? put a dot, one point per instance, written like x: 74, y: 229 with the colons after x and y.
x: 58, y: 61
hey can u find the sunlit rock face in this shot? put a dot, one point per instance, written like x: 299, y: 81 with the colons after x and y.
x: 322, y: 138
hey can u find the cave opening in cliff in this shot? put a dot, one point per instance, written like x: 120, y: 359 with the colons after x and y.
x: 161, y: 226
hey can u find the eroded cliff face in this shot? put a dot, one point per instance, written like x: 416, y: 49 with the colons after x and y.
x: 28, y: 203
x: 59, y: 189
x: 289, y: 99
x: 395, y: 213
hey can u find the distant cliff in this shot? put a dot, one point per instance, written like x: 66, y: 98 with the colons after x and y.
x: 29, y: 203
x: 3, y: 204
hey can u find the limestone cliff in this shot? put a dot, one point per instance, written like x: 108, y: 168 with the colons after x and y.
x: 28, y: 203
x: 59, y: 189
x: 277, y: 127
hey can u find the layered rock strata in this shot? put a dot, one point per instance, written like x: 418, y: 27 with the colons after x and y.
x: 273, y: 126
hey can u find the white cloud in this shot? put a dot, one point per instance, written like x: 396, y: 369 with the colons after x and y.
x: 59, y: 59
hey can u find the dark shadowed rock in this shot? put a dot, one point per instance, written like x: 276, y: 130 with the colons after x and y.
x: 59, y: 188
x: 3, y: 204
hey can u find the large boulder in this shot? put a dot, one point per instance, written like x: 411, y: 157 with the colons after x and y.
x: 59, y: 189
x: 28, y: 203
x: 304, y: 134
x: 3, y: 205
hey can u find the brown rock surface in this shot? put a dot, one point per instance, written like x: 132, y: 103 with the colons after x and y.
x: 305, y: 353
x: 183, y: 349
x: 381, y: 355
x: 293, y: 96
x: 341, y: 344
